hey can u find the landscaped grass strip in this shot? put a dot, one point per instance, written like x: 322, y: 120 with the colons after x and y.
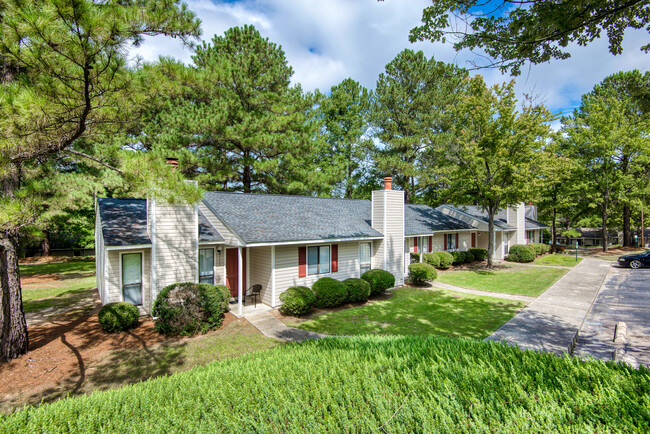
x: 357, y: 384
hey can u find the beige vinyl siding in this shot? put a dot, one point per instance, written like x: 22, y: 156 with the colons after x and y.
x: 286, y: 266
x: 394, y: 235
x: 259, y: 263
x: 114, y: 284
x: 378, y: 259
x: 175, y: 242
x: 100, y: 258
x: 227, y: 234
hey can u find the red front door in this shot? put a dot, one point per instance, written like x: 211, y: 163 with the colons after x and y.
x: 232, y: 271
x: 473, y: 239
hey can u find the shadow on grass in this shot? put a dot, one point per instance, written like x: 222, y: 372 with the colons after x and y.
x: 414, y: 311
x: 67, y: 298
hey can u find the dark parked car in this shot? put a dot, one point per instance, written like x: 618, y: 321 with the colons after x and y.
x: 635, y: 260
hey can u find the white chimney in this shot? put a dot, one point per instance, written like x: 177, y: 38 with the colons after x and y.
x: 388, y: 219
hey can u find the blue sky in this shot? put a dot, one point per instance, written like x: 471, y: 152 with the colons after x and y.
x: 326, y: 41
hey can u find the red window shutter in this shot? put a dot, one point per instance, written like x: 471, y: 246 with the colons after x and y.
x: 302, y: 261
x: 473, y: 239
x: 415, y: 246
x: 527, y: 237
x: 430, y: 244
x: 335, y: 258
x: 445, y: 246
x: 457, y: 246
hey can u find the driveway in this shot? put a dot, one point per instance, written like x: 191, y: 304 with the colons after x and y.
x: 624, y: 296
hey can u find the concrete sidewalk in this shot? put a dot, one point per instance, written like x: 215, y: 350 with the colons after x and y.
x: 272, y: 327
x: 550, y: 323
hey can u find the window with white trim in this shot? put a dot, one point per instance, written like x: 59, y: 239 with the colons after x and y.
x: 206, y: 266
x: 132, y: 278
x: 365, y: 253
x: 424, y: 243
x: 318, y: 260
x: 451, y: 242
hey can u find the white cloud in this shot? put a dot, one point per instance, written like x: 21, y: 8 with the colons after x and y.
x: 328, y: 40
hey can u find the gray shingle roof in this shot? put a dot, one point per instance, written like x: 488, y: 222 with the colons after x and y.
x: 422, y: 219
x: 500, y: 219
x: 124, y: 221
x: 534, y: 224
x: 258, y: 218
x: 207, y: 232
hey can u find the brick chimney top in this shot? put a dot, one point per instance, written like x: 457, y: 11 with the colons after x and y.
x: 388, y: 183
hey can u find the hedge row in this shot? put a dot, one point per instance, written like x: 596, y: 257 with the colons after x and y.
x: 527, y: 252
x: 366, y: 384
x: 328, y: 292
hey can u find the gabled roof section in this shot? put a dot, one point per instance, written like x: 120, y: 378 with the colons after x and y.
x: 422, y: 219
x: 207, y: 232
x: 124, y: 221
x: 534, y: 224
x: 268, y: 218
x: 500, y: 219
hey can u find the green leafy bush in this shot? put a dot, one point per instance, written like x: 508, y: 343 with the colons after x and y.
x: 415, y: 257
x: 379, y: 280
x: 358, y: 290
x: 297, y: 301
x: 459, y: 258
x: 421, y: 273
x: 479, y: 254
x: 524, y: 391
x: 189, y: 308
x: 537, y: 247
x: 432, y: 259
x: 329, y: 292
x: 469, y: 257
x: 541, y: 248
x: 119, y: 316
x: 446, y: 259
x: 522, y: 253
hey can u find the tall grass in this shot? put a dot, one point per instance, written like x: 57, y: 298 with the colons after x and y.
x: 357, y: 385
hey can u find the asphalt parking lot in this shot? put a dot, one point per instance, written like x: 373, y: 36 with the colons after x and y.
x: 624, y: 297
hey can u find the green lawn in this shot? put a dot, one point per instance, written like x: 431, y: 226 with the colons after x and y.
x: 367, y: 384
x: 419, y: 312
x: 512, y: 279
x: 67, y: 283
x: 558, y: 260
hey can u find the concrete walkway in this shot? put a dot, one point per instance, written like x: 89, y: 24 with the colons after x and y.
x: 486, y: 293
x: 272, y: 327
x: 550, y: 323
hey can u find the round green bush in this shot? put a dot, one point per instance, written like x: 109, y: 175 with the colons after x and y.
x: 415, y: 257
x: 358, y: 290
x: 379, y: 280
x: 297, y: 301
x: 329, y: 292
x: 446, y: 259
x: 119, y: 316
x: 469, y: 257
x: 459, y: 258
x: 189, y: 308
x: 432, y: 259
x: 421, y: 273
x: 522, y: 253
x: 537, y: 247
x: 479, y: 254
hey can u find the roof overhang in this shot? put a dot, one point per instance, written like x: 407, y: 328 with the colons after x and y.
x: 129, y: 247
x: 320, y: 241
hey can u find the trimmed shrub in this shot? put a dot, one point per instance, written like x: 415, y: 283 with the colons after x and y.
x: 297, y: 301
x: 329, y: 292
x: 479, y: 254
x: 469, y: 257
x: 545, y: 248
x: 522, y: 253
x: 446, y: 259
x: 432, y: 259
x: 421, y: 273
x: 189, y: 308
x: 537, y: 247
x: 358, y: 290
x: 117, y: 317
x: 379, y: 280
x: 459, y: 258
x: 415, y: 257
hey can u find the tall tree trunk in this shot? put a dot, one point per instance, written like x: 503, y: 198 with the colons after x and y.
x: 246, y: 179
x: 604, y: 234
x: 13, y: 328
x: 348, y: 182
x: 553, y: 230
x: 490, y: 255
x: 627, y: 232
x: 47, y: 251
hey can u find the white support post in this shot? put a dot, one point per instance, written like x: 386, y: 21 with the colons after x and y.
x: 248, y: 268
x: 272, y: 276
x: 240, y: 277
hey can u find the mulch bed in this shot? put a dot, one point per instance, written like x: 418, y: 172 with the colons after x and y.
x: 62, y: 350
